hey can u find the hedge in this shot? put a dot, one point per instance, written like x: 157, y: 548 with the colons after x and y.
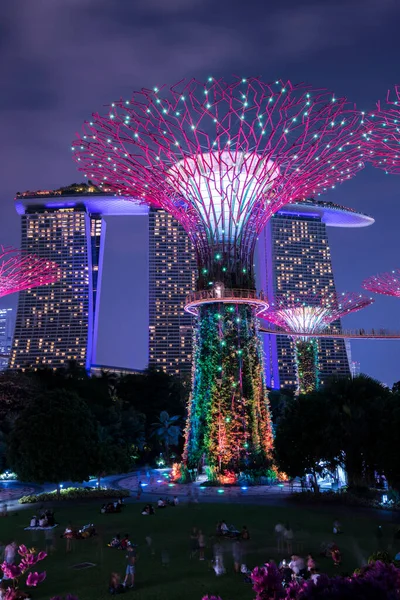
x: 75, y: 494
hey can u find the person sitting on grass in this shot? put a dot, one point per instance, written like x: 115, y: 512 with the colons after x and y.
x: 224, y: 528
x: 115, y: 585
x: 43, y: 521
x: 245, y: 535
x: 33, y: 522
x: 176, y: 500
x: 314, y: 574
x: 148, y: 510
x: 161, y: 503
x: 125, y: 542
x: 115, y: 542
x: 336, y: 555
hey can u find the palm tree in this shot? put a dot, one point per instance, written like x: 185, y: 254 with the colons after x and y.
x: 167, y: 430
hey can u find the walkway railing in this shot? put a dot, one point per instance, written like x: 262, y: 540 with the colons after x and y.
x: 384, y: 334
x: 219, y: 293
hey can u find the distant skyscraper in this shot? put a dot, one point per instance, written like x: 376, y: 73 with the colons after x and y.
x: 58, y: 323
x: 172, y: 276
x: 294, y: 259
x: 6, y: 332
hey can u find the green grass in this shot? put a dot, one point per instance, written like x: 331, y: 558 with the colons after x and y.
x: 170, y: 528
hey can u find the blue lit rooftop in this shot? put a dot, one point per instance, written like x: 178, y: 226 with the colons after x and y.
x: 333, y: 215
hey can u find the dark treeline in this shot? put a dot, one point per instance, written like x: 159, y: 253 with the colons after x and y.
x: 353, y: 423
x: 66, y: 425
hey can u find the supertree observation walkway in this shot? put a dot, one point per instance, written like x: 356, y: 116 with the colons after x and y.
x: 223, y: 158
x: 351, y: 334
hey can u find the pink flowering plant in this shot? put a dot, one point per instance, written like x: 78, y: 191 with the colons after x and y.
x: 376, y: 581
x: 29, y: 558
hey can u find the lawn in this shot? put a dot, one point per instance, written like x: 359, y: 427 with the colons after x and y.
x: 186, y: 579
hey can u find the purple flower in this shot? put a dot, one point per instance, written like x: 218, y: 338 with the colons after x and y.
x: 22, y: 550
x: 42, y: 555
x: 11, y: 571
x: 34, y: 578
x: 266, y: 580
x: 211, y: 598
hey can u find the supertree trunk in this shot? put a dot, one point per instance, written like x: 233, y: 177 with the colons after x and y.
x: 306, y: 354
x: 229, y: 422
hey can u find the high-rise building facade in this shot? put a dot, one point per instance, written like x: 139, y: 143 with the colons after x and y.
x: 58, y: 323
x: 6, y: 332
x: 294, y: 260
x: 172, y: 276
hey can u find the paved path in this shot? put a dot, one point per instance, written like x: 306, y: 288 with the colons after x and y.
x: 156, y: 483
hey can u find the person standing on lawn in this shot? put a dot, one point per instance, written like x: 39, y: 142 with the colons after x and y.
x: 130, y: 566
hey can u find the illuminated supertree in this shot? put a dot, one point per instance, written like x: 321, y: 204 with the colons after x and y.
x: 382, y: 142
x: 222, y: 158
x: 384, y: 283
x: 24, y: 271
x: 311, y: 315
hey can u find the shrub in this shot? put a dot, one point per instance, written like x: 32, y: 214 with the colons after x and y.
x: 75, y: 494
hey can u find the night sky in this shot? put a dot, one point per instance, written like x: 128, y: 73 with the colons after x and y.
x: 61, y: 60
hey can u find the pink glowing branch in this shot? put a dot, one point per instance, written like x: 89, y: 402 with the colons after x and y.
x: 24, y: 271
x: 382, y: 144
x: 222, y: 158
x: 313, y: 314
x: 384, y: 283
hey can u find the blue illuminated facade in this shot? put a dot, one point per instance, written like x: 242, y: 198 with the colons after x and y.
x: 58, y: 323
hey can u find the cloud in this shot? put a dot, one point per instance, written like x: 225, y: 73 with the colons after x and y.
x: 305, y: 29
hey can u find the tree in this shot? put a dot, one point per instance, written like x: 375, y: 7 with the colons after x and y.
x: 152, y: 392
x: 387, y: 451
x: 54, y: 439
x: 302, y: 442
x: 167, y: 431
x: 109, y: 456
x: 357, y: 409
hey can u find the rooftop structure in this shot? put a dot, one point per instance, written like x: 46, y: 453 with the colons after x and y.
x: 311, y: 315
x: 222, y: 158
x: 331, y: 214
x: 80, y: 195
x: 387, y: 284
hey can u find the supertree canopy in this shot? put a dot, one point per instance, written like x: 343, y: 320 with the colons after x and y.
x: 382, y: 143
x: 311, y: 316
x: 24, y: 271
x: 384, y: 283
x: 222, y: 158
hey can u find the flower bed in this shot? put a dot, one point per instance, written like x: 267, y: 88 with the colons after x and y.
x: 75, y: 494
